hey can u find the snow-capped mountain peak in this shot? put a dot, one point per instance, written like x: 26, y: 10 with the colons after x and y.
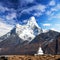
x: 32, y: 22
x: 29, y: 30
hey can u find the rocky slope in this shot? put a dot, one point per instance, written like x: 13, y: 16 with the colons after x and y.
x: 26, y: 39
x: 49, y: 42
x: 25, y: 32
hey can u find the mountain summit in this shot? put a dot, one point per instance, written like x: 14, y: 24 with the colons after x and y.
x: 26, y: 32
x: 20, y: 40
x: 29, y: 30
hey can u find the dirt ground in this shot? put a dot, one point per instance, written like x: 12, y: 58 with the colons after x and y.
x: 29, y: 57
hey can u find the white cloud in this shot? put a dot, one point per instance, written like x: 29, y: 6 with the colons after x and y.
x: 57, y: 24
x: 48, y: 12
x: 52, y: 3
x: 8, y: 15
x: 11, y: 16
x: 3, y: 9
x: 25, y: 2
x: 40, y: 8
x: 54, y: 29
x: 37, y: 14
x: 46, y: 24
x: 45, y: 30
x: 4, y: 28
x: 58, y: 6
x: 25, y: 21
x: 52, y: 11
x: 29, y: 1
x: 57, y: 16
x: 1, y: 19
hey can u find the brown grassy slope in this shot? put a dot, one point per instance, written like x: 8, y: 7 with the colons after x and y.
x: 28, y: 57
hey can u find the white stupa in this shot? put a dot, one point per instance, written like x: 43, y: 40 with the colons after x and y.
x: 40, y: 51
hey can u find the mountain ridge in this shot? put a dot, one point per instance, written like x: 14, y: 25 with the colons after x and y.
x: 15, y: 46
x: 25, y: 32
x: 28, y: 38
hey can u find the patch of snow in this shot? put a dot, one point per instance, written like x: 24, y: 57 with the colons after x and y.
x: 44, y: 30
x: 27, y: 31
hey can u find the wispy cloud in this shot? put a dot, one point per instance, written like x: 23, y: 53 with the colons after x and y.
x: 47, y: 24
x: 40, y: 8
x: 4, y: 28
x: 25, y: 21
x: 11, y: 16
x: 52, y: 3
x: 8, y: 15
x: 54, y: 29
x: 3, y: 9
x: 55, y: 17
x: 48, y: 12
x: 29, y: 1
x: 37, y: 14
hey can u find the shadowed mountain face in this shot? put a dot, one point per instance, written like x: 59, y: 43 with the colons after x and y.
x: 45, y: 37
x: 49, y: 42
x: 52, y: 47
x: 26, y: 32
x: 11, y: 39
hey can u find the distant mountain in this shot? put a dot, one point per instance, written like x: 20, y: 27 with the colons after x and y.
x: 53, y: 46
x: 19, y: 36
x: 26, y: 39
x: 26, y: 32
x: 48, y: 41
x: 47, y: 36
x: 10, y: 39
x: 29, y: 30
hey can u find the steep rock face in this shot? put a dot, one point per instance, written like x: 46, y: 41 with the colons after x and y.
x: 10, y: 39
x: 19, y: 37
x: 49, y: 42
x: 52, y: 47
x: 26, y: 32
x: 48, y: 36
x: 49, y: 45
x: 26, y: 39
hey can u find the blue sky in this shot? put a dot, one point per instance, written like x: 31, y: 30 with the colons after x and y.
x: 46, y: 12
